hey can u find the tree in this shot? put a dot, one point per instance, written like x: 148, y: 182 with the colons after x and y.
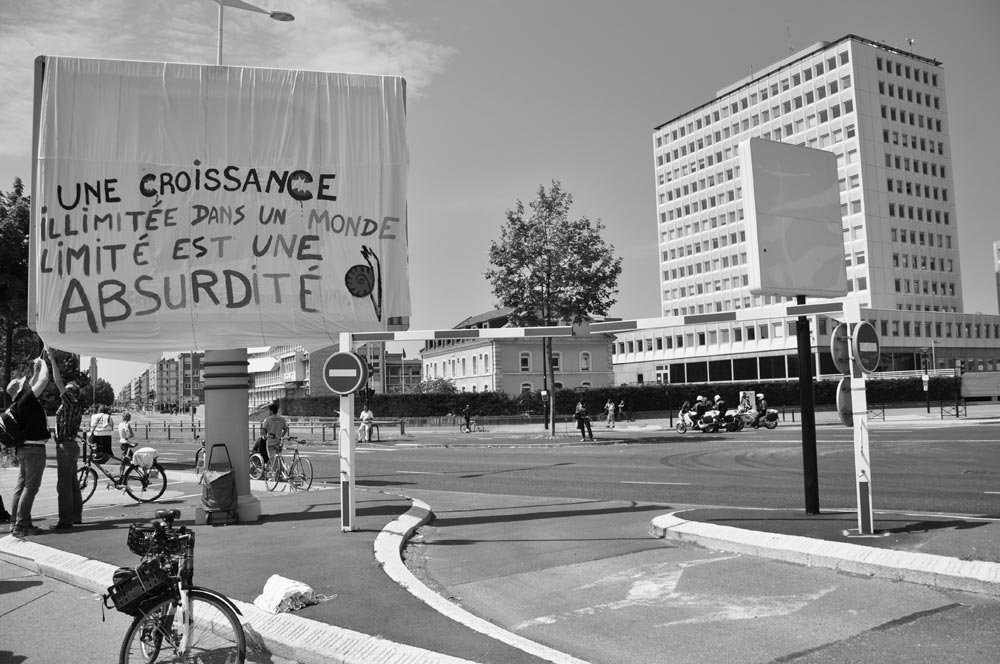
x: 438, y: 385
x: 549, y: 268
x: 19, y: 343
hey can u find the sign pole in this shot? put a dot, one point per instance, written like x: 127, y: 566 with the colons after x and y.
x: 859, y: 402
x: 810, y: 473
x: 345, y: 443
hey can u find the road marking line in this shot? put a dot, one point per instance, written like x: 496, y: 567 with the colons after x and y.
x: 670, y: 483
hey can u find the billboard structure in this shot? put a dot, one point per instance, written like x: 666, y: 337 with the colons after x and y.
x: 180, y: 206
x: 794, y: 230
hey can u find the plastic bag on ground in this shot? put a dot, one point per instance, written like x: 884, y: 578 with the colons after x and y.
x: 281, y: 595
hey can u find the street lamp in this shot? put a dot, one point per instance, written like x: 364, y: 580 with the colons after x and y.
x: 239, y: 4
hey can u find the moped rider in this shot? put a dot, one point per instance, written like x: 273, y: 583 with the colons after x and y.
x: 761, y: 406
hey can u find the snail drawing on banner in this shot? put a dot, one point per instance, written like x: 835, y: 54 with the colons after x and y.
x: 366, y: 280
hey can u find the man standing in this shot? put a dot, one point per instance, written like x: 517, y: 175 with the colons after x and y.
x: 28, y: 411
x: 365, y: 430
x: 67, y: 450
x: 273, y: 429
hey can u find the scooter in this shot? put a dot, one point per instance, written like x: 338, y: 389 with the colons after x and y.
x: 770, y: 419
x: 736, y: 419
x: 709, y: 422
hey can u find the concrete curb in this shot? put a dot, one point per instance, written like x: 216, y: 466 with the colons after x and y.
x: 388, y: 547
x: 921, y: 568
x: 285, y: 635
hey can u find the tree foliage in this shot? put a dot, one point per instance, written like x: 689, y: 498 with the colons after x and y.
x: 436, y: 386
x: 19, y: 344
x: 548, y: 267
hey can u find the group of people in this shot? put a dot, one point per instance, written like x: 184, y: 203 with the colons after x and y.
x: 27, y: 409
x: 693, y: 414
x: 612, y: 412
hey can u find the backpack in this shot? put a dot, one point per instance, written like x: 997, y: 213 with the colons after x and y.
x: 11, y: 432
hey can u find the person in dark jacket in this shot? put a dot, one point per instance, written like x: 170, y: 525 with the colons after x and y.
x: 28, y: 411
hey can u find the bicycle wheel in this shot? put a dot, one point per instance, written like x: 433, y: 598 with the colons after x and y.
x: 216, y: 634
x: 300, y: 475
x: 145, y: 484
x: 272, y: 473
x: 88, y: 482
x: 256, y: 466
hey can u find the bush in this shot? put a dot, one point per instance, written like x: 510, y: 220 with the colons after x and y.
x: 638, y: 398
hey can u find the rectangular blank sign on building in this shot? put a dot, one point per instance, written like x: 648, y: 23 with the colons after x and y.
x: 794, y: 230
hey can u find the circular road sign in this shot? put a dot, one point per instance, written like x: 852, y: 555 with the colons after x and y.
x: 345, y: 373
x: 866, y: 346
x: 838, y: 349
x: 845, y: 404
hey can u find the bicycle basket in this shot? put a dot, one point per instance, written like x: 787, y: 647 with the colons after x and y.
x: 133, y: 586
x: 140, y: 539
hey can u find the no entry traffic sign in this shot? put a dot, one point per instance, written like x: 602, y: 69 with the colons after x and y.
x: 867, y: 350
x: 345, y: 373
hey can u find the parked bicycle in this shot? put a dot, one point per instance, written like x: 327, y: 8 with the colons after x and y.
x: 175, y: 621
x: 297, y: 471
x: 473, y: 425
x: 143, y: 479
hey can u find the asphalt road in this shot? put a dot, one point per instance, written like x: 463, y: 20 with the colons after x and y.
x: 943, y: 468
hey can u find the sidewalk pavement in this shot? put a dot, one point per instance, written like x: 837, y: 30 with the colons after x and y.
x: 378, y: 611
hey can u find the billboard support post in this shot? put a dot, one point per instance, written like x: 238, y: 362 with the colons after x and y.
x: 810, y: 471
x: 859, y: 408
x: 345, y: 443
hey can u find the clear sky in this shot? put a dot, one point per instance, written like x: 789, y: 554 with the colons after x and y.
x: 504, y: 96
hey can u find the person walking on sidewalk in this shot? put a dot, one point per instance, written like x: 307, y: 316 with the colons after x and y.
x: 102, y: 428
x: 583, y: 422
x: 28, y: 411
x: 125, y: 434
x: 68, y: 419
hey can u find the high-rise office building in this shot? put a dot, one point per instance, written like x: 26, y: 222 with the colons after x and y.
x: 996, y: 267
x: 882, y: 111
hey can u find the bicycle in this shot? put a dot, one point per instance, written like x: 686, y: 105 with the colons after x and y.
x: 473, y: 425
x: 174, y: 619
x: 144, y: 483
x: 257, y: 461
x: 298, y: 472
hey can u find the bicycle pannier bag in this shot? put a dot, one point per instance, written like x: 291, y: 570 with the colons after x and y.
x: 11, y: 433
x: 145, y: 457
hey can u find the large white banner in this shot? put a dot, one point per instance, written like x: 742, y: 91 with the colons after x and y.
x: 194, y: 206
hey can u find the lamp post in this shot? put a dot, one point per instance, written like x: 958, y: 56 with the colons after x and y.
x: 239, y: 4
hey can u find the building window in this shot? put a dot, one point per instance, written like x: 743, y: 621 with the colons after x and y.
x: 525, y: 362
